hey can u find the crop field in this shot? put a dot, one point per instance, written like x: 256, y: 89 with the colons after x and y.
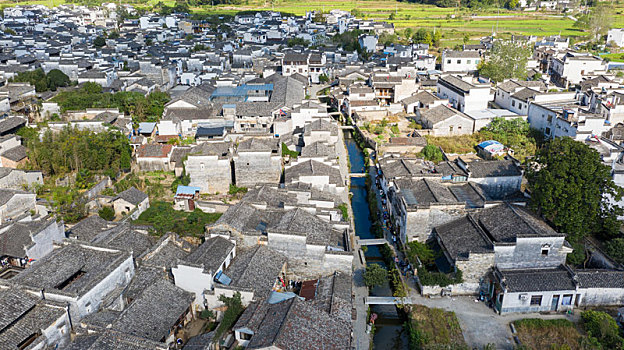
x: 452, y: 22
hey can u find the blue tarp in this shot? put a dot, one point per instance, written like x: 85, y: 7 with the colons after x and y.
x: 223, y: 279
x: 187, y: 189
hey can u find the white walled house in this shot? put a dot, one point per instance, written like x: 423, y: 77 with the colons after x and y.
x: 572, y: 68
x: 616, y: 35
x: 197, y: 272
x: 463, y: 95
x: 460, y: 61
x: 78, y: 275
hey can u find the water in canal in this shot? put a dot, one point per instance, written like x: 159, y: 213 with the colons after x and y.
x: 388, y: 326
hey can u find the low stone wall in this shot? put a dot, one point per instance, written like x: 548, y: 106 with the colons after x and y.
x: 456, y: 289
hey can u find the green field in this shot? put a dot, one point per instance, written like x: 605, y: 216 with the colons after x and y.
x: 452, y: 22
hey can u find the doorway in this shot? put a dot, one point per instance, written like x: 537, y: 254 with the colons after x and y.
x: 555, y: 303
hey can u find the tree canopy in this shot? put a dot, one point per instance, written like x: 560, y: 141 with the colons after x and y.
x: 507, y: 60
x: 597, y: 22
x: 73, y: 149
x: 569, y: 185
x: 43, y: 82
x: 375, y: 275
x: 90, y: 95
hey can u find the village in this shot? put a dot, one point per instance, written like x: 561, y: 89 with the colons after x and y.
x: 271, y: 181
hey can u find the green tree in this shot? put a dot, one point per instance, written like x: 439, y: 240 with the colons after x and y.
x: 235, y: 307
x: 507, y: 60
x: 437, y: 37
x: 107, y: 213
x: 466, y: 38
x: 600, y: 20
x: 422, y: 36
x: 420, y: 251
x: 569, y: 184
x: 375, y: 275
x: 603, y: 327
x: 615, y: 249
x: 432, y: 153
x: 56, y: 78
x: 99, y: 42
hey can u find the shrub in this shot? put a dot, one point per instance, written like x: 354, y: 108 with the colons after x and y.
x: 107, y: 213
x: 236, y: 190
x: 432, y: 153
x: 234, y: 309
x: 345, y: 211
x: 287, y: 152
x: 417, y: 250
x: 428, y: 278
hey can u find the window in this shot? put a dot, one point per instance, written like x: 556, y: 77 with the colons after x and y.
x: 536, y: 300
x: 202, y: 166
x: 567, y: 299
x: 468, y: 61
x: 451, y: 128
x: 550, y: 118
x: 458, y: 127
x: 547, y: 131
x: 513, y: 103
x: 448, y: 61
x: 476, y: 61
x: 545, y: 251
x: 458, y: 61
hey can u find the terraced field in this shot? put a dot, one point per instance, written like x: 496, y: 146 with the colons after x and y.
x: 452, y: 22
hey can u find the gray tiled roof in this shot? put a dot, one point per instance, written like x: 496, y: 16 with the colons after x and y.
x: 16, y: 153
x: 313, y: 168
x: 219, y: 149
x: 19, y: 236
x: 525, y: 94
x: 88, y: 228
x: 425, y: 97
x: 132, y: 195
x: 270, y: 196
x: 505, y: 222
x: 461, y: 54
x: 441, y: 113
x: 301, y: 223
x: 59, y: 266
x: 295, y: 324
x: 333, y: 295
x: 256, y: 268
x: 424, y: 192
x: 393, y: 168
x: 155, y: 311
x: 113, y: 340
x: 463, y: 236
x: 31, y: 321
x: 256, y: 144
x: 125, y: 238
x: 318, y: 149
x: 13, y: 304
x: 493, y: 168
x: 538, y: 280
x: 600, y: 278
x: 211, y: 254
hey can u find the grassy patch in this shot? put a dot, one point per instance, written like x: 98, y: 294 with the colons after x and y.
x: 548, y: 334
x: 163, y: 218
x: 614, y: 57
x: 434, y: 329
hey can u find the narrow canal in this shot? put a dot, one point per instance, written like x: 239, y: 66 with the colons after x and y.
x: 389, y: 332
